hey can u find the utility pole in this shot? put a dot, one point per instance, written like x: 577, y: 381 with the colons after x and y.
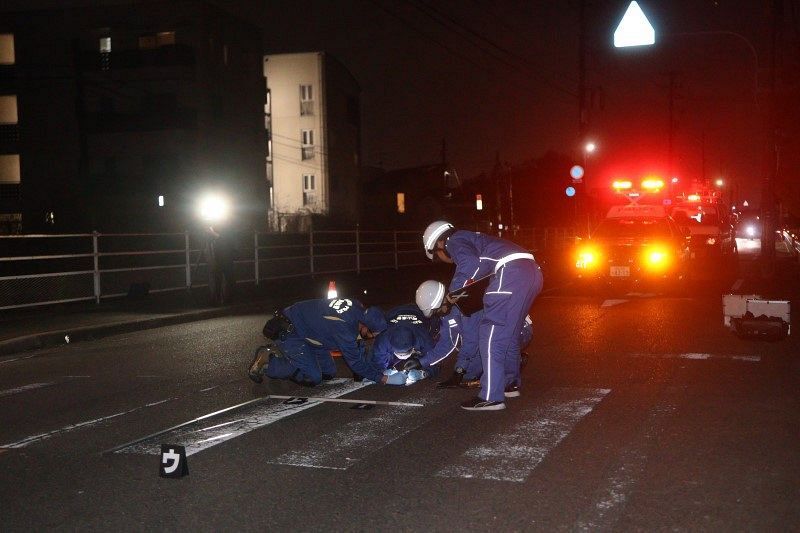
x: 767, y: 194
x: 671, y: 135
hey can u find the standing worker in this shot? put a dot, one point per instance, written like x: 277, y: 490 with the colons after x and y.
x: 516, y: 281
x: 304, y: 334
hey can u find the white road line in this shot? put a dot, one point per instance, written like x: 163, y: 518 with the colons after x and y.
x: 197, y: 436
x: 9, y: 392
x: 609, y: 303
x: 513, y: 455
x: 700, y: 356
x: 4, y: 361
x: 32, y: 386
x: 87, y: 423
x: 610, y: 499
x: 737, y: 284
x: 352, y: 442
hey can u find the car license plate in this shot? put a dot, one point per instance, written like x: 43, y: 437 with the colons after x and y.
x: 620, y: 271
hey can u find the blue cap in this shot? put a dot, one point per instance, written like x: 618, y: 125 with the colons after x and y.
x: 401, y: 340
x: 374, y: 319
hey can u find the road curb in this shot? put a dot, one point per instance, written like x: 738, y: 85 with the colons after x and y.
x: 57, y: 337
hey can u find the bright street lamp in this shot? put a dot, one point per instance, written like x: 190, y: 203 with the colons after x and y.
x: 590, y: 147
x: 720, y: 182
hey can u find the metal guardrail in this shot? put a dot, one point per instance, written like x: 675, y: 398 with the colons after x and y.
x: 51, y: 269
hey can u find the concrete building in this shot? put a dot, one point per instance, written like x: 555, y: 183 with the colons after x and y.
x: 312, y: 118
x: 115, y: 118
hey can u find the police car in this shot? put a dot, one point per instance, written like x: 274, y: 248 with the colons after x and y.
x: 634, y: 244
x: 711, y: 231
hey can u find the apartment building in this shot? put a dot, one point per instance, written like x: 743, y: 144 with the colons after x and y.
x: 312, y: 119
x: 118, y: 118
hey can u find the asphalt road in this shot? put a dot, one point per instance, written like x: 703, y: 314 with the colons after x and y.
x: 638, y: 412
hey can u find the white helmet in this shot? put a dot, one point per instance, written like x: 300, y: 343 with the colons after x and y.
x: 432, y: 234
x: 429, y: 297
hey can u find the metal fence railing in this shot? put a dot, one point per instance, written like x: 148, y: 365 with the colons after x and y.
x: 49, y: 269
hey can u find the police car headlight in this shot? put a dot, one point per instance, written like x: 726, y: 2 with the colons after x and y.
x: 587, y: 258
x: 657, y: 257
x: 711, y: 241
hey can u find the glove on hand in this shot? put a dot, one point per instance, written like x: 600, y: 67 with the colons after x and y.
x: 397, y: 378
x: 415, y: 375
x: 412, y: 363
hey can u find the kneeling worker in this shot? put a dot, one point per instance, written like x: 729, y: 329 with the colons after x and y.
x: 304, y: 334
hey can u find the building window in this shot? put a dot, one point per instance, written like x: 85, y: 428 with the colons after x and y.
x: 401, y: 202
x: 309, y: 189
x: 8, y: 109
x: 7, y: 56
x: 105, y: 53
x: 165, y: 38
x: 9, y: 168
x: 307, y: 148
x: 306, y: 100
x: 269, y: 149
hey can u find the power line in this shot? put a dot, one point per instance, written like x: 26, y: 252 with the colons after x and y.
x: 450, y: 50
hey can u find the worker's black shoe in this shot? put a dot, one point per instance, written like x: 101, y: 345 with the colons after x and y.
x: 327, y: 377
x: 478, y: 404
x: 470, y: 384
x: 512, y: 391
x: 256, y: 370
x: 358, y: 378
x: 452, y: 382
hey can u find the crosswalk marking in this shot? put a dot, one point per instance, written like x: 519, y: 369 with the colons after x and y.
x: 198, y: 436
x: 352, y: 442
x: 610, y: 498
x: 514, y: 454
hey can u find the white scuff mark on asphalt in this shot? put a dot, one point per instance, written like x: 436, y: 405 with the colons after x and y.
x: 31, y: 386
x: 610, y: 303
x: 513, y: 455
x: 748, y: 358
x: 42, y: 436
x: 246, y: 419
x: 695, y: 356
x: 339, y: 449
x: 609, y: 500
x: 87, y: 423
x: 4, y: 361
x: 209, y: 388
x: 701, y: 356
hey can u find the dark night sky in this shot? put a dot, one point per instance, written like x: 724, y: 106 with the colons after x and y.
x: 501, y: 76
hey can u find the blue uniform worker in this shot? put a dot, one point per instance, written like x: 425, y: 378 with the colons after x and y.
x: 317, y: 327
x: 460, y: 334
x: 515, y: 283
x: 407, y: 334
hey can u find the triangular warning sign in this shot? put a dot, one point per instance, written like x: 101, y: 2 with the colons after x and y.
x: 634, y: 29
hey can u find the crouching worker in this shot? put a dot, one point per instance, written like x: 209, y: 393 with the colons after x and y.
x: 407, y: 337
x: 459, y: 335
x: 302, y: 336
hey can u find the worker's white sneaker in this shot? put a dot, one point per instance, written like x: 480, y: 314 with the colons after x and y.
x: 478, y: 404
